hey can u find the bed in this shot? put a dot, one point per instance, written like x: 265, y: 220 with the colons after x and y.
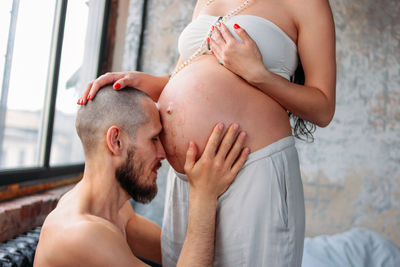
x: 356, y: 247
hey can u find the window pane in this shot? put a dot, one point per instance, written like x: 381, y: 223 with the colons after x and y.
x: 66, y: 146
x: 27, y: 82
x: 5, y: 16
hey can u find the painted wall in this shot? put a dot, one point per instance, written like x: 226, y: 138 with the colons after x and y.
x: 351, y: 173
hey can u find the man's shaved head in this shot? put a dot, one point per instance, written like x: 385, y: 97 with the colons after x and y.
x: 121, y: 108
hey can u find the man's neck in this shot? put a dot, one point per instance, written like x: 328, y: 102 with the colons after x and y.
x: 102, y: 194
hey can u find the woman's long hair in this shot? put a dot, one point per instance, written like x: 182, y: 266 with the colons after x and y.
x: 302, y: 129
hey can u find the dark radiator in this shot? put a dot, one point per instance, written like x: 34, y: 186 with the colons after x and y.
x: 19, y: 252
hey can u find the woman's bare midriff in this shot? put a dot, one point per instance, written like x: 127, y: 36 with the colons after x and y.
x: 205, y: 93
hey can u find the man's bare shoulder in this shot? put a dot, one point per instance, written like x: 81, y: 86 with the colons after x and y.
x: 82, y: 240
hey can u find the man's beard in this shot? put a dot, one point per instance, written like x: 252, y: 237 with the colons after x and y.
x: 128, y: 176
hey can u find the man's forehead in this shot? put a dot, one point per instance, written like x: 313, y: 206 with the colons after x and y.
x: 153, y: 112
x: 153, y: 116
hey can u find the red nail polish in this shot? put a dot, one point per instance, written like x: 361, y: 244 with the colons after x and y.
x: 212, y: 27
x: 236, y: 26
x: 89, y: 97
x: 79, y: 101
x: 117, y: 86
x: 212, y: 52
x: 208, y: 39
x: 219, y: 24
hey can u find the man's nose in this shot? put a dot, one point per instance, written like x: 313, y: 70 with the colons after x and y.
x: 160, y: 151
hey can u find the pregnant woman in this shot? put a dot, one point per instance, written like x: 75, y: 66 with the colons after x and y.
x: 236, y: 62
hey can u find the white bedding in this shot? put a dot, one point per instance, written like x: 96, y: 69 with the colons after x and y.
x: 356, y: 247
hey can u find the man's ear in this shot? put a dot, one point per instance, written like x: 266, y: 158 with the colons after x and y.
x: 114, y: 140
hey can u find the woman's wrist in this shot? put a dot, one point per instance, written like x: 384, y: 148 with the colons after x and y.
x: 142, y: 80
x: 259, y: 76
x: 151, y: 84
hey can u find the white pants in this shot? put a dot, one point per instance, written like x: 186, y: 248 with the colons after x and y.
x: 260, y: 218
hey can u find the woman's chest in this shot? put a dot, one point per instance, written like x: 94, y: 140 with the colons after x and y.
x: 279, y: 52
x: 278, y: 12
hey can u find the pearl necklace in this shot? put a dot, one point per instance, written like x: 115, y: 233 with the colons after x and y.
x: 209, y: 2
x: 203, y: 49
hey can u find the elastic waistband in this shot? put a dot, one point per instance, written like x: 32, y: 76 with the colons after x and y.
x: 270, y: 149
x: 266, y: 151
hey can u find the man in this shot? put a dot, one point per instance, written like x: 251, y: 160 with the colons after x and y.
x: 94, y: 224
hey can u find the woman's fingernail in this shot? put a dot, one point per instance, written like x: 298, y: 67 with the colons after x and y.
x: 208, y: 39
x: 212, y: 52
x: 246, y: 150
x: 219, y: 24
x: 235, y: 127
x: 243, y: 134
x: 79, y: 101
x: 89, y: 97
x: 221, y: 126
x: 117, y: 86
x: 212, y: 27
x: 236, y: 26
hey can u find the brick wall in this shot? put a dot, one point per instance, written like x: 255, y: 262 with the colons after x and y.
x: 22, y: 214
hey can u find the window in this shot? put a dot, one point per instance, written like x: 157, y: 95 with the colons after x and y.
x: 66, y: 146
x: 49, y: 50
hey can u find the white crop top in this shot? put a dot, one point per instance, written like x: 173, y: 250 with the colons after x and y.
x: 278, y: 51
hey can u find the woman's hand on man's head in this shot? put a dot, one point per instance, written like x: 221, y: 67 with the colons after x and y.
x: 118, y: 79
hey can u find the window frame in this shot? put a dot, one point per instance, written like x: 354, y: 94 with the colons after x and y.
x: 45, y: 172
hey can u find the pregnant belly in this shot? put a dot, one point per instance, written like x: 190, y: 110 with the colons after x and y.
x: 205, y: 93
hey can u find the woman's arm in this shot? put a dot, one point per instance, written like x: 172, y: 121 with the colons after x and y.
x: 150, y: 84
x: 315, y: 100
